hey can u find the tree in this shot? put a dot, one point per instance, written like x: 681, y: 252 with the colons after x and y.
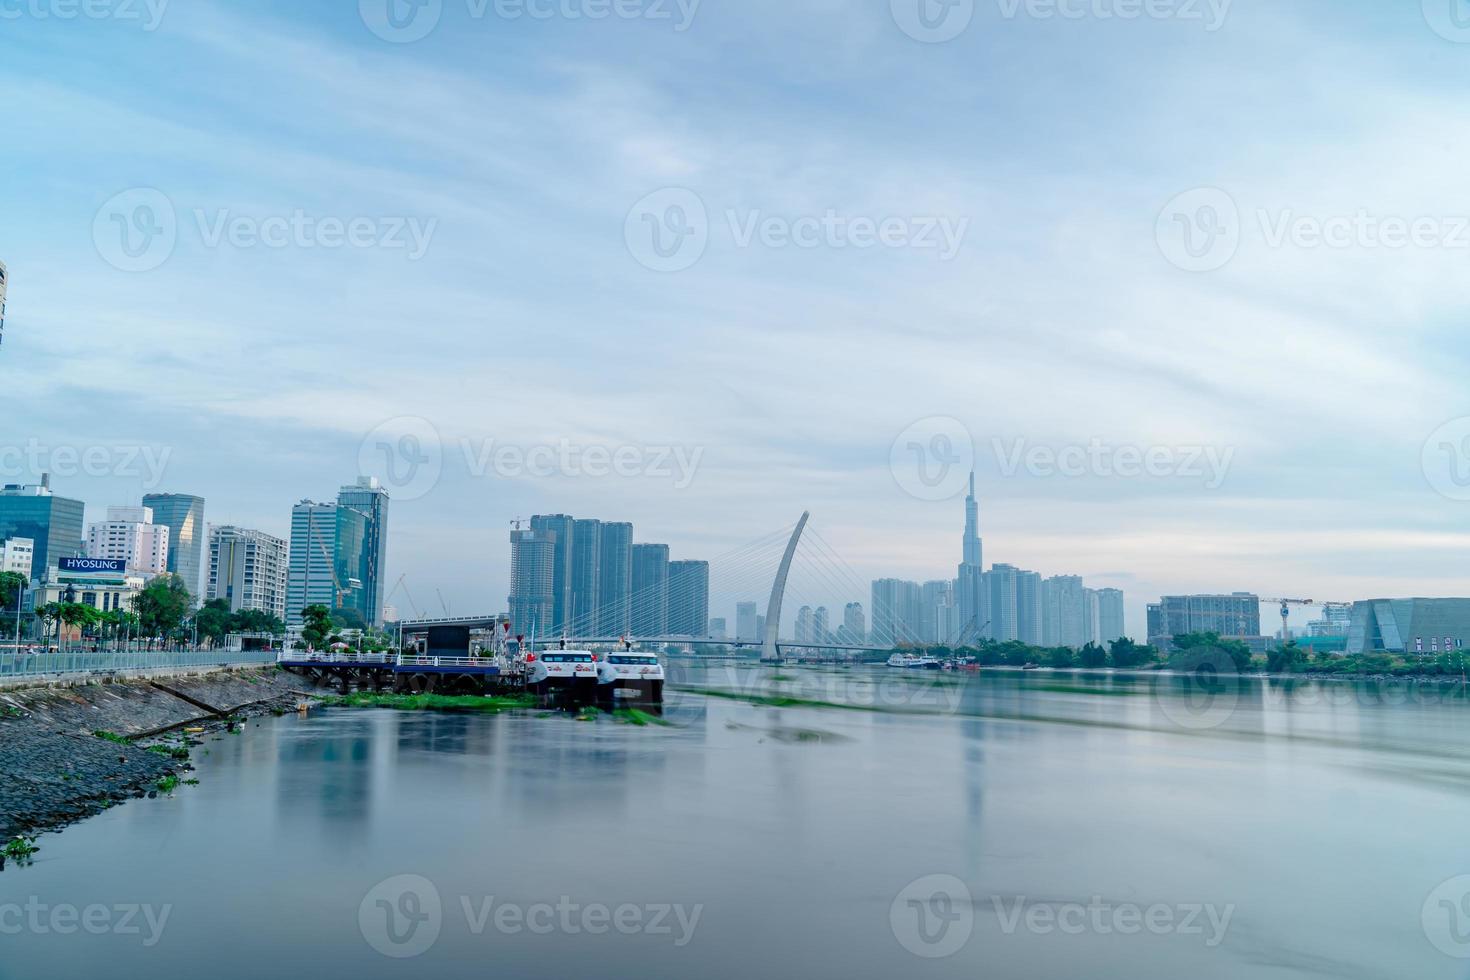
x: 79, y: 616
x: 1059, y: 657
x: 1126, y: 653
x: 317, y: 626
x: 12, y: 588
x: 1286, y: 659
x: 1092, y: 656
x: 214, y: 621
x: 50, y: 615
x: 162, y: 605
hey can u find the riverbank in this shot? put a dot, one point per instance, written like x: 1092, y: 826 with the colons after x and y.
x: 70, y: 753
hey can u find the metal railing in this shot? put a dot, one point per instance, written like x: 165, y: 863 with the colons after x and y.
x: 300, y: 657
x: 50, y: 664
x: 383, y: 659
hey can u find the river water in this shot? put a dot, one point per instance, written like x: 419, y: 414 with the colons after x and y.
x: 999, y: 825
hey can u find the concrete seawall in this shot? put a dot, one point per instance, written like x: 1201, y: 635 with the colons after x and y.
x: 54, y: 770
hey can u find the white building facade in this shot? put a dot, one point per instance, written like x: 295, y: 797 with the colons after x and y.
x: 130, y: 535
x: 248, y: 569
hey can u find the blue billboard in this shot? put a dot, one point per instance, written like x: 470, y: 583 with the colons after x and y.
x: 114, y: 566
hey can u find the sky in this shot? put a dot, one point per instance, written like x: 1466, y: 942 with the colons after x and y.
x: 1183, y: 280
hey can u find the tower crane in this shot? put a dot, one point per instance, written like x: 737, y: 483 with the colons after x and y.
x: 1286, y: 605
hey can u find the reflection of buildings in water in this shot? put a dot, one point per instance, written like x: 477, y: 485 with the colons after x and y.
x: 555, y: 763
x: 974, y: 732
x: 327, y: 774
x: 439, y: 732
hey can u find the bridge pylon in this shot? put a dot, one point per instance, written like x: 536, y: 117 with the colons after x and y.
x: 770, y: 649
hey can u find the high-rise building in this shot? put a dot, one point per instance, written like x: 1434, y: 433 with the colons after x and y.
x: 650, y: 598
x: 1110, y: 617
x: 1237, y: 614
x: 129, y: 535
x: 746, y: 615
x: 689, y: 598
x: 1028, y: 608
x: 821, y: 625
x: 248, y: 569
x: 184, y: 515
x: 3, y: 284
x: 53, y: 523
x: 804, y: 625
x: 586, y: 569
x: 854, y: 623
x: 532, y: 592
x: 370, y: 499
x: 311, y: 572
x: 19, y: 556
x: 558, y: 529
x: 1065, y: 619
x: 897, y: 612
x: 615, y: 579
x: 1000, y: 583
x: 936, y: 597
x: 971, y: 598
x: 718, y: 629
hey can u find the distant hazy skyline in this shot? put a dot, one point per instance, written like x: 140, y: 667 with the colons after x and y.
x: 744, y: 255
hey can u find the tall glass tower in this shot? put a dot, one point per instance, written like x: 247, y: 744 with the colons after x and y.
x: 369, y: 499
x: 184, y: 515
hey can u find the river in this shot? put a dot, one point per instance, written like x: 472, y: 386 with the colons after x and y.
x: 997, y: 825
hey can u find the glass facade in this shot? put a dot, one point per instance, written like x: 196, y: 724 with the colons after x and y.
x: 184, y: 515
x: 54, y: 523
x: 369, y: 557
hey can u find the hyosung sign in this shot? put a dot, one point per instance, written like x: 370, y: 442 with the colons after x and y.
x: 94, y: 566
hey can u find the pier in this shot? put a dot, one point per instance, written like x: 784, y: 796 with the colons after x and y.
x: 405, y: 673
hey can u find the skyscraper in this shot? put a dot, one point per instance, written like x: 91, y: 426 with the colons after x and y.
x: 312, y: 573
x: 804, y: 625
x: 821, y: 626
x: 650, y: 598
x: 746, y: 616
x: 1110, y: 617
x: 1065, y: 620
x: 248, y: 569
x: 532, y: 596
x: 614, y: 579
x: 936, y: 597
x: 370, y: 499
x: 53, y: 523
x: 1028, y: 608
x: 586, y: 569
x: 689, y: 598
x: 558, y: 529
x: 972, y: 599
x: 897, y: 611
x: 184, y: 515
x: 854, y: 623
x: 1000, y: 583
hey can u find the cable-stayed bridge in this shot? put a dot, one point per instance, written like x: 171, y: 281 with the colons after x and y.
x: 789, y: 568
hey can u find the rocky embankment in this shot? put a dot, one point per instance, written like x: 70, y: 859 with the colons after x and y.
x: 55, y: 767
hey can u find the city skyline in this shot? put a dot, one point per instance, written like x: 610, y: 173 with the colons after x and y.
x: 1060, y: 279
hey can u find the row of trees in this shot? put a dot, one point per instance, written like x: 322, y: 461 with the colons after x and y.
x: 159, y: 614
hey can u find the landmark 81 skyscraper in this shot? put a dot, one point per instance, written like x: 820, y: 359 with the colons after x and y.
x: 971, y: 598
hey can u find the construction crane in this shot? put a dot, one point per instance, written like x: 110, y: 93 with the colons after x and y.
x: 1286, y: 605
x: 402, y: 583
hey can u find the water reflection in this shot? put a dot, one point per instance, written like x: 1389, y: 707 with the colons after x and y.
x: 1324, y: 818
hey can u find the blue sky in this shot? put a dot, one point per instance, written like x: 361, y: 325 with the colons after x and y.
x: 523, y: 151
